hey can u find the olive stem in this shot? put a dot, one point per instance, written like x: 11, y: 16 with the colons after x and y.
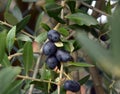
x: 38, y: 80
x: 60, y: 77
x: 5, y: 23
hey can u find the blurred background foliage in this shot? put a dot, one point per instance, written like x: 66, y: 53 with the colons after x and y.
x: 89, y: 31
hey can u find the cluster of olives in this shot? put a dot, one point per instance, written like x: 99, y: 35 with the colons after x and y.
x: 57, y: 55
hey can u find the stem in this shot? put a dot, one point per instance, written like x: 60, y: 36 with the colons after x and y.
x: 60, y: 77
x: 4, y: 23
x: 38, y: 80
x: 95, y: 9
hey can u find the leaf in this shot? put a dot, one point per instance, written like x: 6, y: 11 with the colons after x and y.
x: 10, y: 38
x: 71, y: 4
x: 82, y: 19
x: 78, y: 64
x: 115, y: 39
x: 17, y: 13
x: 45, y: 74
x: 39, y: 19
x: 23, y: 37
x: 53, y: 9
x: 22, y: 23
x: 5, y: 62
x: 28, y: 56
x: 15, y: 87
x: 11, y: 73
x: 84, y: 79
x: 8, y: 5
x: 10, y: 18
x: 41, y: 37
x: 45, y: 26
x: 63, y: 31
x: 3, y: 44
x: 104, y: 58
x: 29, y: 0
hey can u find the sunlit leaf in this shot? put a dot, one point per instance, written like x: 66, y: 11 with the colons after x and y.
x: 78, y: 64
x: 82, y: 19
x: 11, y: 73
x: 63, y: 31
x: 17, y: 13
x: 28, y: 56
x: 23, y: 37
x: 10, y: 38
x: 41, y: 37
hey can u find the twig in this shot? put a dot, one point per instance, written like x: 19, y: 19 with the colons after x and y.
x: 38, y: 80
x: 95, y: 9
x: 5, y: 23
x: 19, y: 54
x: 60, y: 77
x: 35, y: 71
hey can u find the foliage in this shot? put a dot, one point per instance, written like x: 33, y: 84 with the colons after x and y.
x: 24, y: 27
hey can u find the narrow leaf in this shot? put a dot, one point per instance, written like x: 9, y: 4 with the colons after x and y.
x: 41, y: 38
x: 11, y: 73
x: 10, y: 18
x: 23, y: 37
x: 45, y: 26
x: 82, y: 19
x: 71, y: 4
x: 10, y: 38
x: 2, y: 46
x: 78, y: 64
x: 5, y: 62
x: 28, y: 56
x: 22, y: 23
x: 29, y: 0
x: 84, y: 79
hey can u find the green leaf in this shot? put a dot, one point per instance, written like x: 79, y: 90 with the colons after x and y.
x: 28, y: 56
x: 82, y: 19
x: 29, y: 0
x: 11, y: 73
x: 57, y: 18
x: 78, y: 64
x: 8, y: 5
x: 10, y: 38
x: 71, y: 4
x: 104, y: 59
x: 45, y: 26
x: 23, y: 37
x: 84, y: 79
x: 39, y: 19
x: 115, y: 39
x: 53, y: 9
x: 15, y: 87
x: 5, y: 62
x: 41, y: 37
x: 17, y: 13
x: 63, y: 31
x: 45, y: 74
x: 10, y: 18
x: 3, y: 44
x: 22, y: 23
